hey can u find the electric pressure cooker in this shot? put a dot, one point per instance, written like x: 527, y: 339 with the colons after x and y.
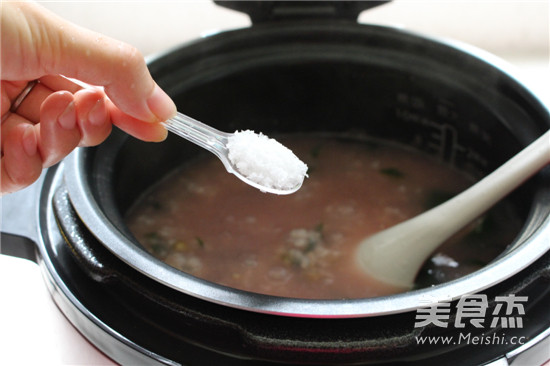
x: 302, y: 67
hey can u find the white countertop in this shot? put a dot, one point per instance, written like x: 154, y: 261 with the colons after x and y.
x: 33, y: 331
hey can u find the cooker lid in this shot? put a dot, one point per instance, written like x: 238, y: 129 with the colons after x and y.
x: 268, y: 11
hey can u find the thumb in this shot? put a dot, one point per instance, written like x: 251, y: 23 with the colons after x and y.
x: 50, y: 45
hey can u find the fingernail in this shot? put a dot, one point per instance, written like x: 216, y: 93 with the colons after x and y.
x: 67, y: 119
x: 30, y: 143
x: 98, y: 115
x: 161, y: 105
x: 163, y: 136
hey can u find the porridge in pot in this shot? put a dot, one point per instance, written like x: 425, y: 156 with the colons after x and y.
x: 205, y: 222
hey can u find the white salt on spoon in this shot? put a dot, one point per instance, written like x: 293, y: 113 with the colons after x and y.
x: 265, y: 161
x: 254, y: 158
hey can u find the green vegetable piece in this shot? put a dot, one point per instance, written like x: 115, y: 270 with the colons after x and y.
x: 154, y: 238
x: 157, y: 249
x: 392, y: 172
x: 156, y: 243
x: 316, y: 151
x: 319, y: 227
x: 200, y: 242
x: 156, y: 205
x: 311, y: 244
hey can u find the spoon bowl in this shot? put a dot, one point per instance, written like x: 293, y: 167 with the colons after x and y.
x: 395, y: 255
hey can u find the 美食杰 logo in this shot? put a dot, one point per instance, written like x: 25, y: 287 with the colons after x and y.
x: 473, y: 310
x: 507, y: 313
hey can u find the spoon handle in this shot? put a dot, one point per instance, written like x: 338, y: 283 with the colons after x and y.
x: 199, y: 133
x: 474, y: 201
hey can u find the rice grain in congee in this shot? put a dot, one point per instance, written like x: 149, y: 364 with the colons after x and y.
x: 205, y: 222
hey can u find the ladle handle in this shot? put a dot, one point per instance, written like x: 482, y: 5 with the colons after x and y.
x: 491, y: 189
x: 396, y: 254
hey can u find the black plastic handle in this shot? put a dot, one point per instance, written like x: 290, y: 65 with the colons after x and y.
x: 18, y: 222
x: 268, y: 11
x: 18, y: 246
x: 94, y: 260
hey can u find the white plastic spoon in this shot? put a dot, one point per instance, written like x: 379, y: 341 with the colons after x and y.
x: 271, y: 167
x: 395, y: 255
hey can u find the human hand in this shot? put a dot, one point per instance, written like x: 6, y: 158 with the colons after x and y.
x: 58, y: 115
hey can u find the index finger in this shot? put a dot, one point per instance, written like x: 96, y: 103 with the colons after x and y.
x: 52, y: 45
x: 116, y: 66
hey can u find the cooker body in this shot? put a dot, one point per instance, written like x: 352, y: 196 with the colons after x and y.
x: 135, y: 319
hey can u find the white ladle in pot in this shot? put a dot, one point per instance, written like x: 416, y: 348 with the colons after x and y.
x: 395, y: 255
x: 253, y: 158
